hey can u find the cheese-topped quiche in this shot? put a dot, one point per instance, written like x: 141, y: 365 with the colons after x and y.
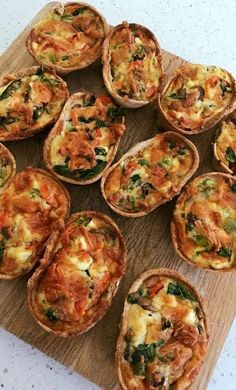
x: 225, y: 148
x: 132, y: 65
x: 204, y: 222
x: 196, y: 98
x: 150, y: 174
x: 30, y: 100
x: 7, y: 166
x: 163, y: 334
x: 32, y: 206
x: 68, y: 38
x: 84, y: 141
x: 74, y: 285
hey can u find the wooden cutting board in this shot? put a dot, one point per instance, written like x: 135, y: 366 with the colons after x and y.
x: 148, y: 241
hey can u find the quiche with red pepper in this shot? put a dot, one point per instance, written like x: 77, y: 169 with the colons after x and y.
x: 85, y: 139
x: 7, y: 166
x: 30, y: 100
x: 204, y: 222
x: 150, y: 174
x: 74, y: 285
x: 196, y: 98
x: 132, y: 65
x: 225, y: 148
x: 68, y: 38
x: 163, y: 334
x: 32, y: 206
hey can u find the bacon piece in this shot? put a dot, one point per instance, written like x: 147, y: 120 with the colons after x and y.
x: 4, y: 217
x: 186, y: 334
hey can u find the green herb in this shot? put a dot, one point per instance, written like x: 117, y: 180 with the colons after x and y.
x: 172, y: 144
x: 100, y: 151
x: 89, y: 173
x: 144, y: 162
x: 230, y: 155
x: 225, y: 87
x: 164, y: 162
x: 133, y: 297
x: 34, y: 193
x: 63, y: 170
x: 182, y: 151
x: 79, y: 11
x: 224, y: 252
x: 51, y: 315
x: 84, y: 120
x: 64, y: 58
x: 135, y: 178
x: 139, y: 54
x: 12, y: 87
x: 100, y: 123
x: 83, y: 221
x: 146, y: 188
x: 40, y: 72
x: 200, y: 240
x: 230, y: 225
x: 233, y: 187
x: 114, y: 112
x: 52, y: 58
x: 89, y: 101
x: 37, y: 112
x: 206, y: 185
x: 51, y: 81
x: 191, y: 218
x: 181, y: 291
x: 165, y: 324
x: 175, y: 96
x: 211, y: 105
x: 2, y: 248
x: 66, y: 17
x: 142, y: 354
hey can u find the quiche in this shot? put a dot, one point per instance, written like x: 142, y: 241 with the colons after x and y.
x: 84, y: 141
x: 73, y: 287
x: 150, y: 174
x: 7, y: 166
x: 132, y: 65
x: 68, y: 38
x: 225, y: 148
x: 30, y: 100
x: 32, y: 206
x: 204, y: 222
x: 163, y: 333
x: 196, y: 98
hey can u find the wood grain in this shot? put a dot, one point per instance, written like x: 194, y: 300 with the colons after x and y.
x: 148, y: 241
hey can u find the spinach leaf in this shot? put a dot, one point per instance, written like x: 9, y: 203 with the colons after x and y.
x: 40, y: 72
x: 52, y: 58
x: 133, y: 297
x: 100, y: 151
x: 225, y: 87
x: 146, y: 188
x: 63, y: 170
x: 181, y: 291
x: 2, y: 248
x: 191, y: 218
x: 84, y: 120
x: 34, y: 193
x: 89, y: 101
x: 135, y: 178
x: 83, y: 221
x: 165, y: 323
x: 79, y: 11
x: 64, y: 58
x: 89, y: 173
x: 37, y: 112
x: 114, y: 112
x: 224, y: 252
x: 176, y: 97
x: 143, y: 353
x: 233, y: 187
x: 230, y: 225
x: 51, y: 315
x: 144, y: 162
x: 100, y: 123
x: 230, y: 155
x: 12, y: 87
x: 51, y: 81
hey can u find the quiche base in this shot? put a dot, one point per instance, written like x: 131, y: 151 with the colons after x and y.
x: 217, y: 163
x: 123, y: 322
x: 34, y: 281
x: 12, y: 163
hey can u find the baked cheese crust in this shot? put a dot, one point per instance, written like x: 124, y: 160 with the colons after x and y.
x: 70, y: 37
x: 163, y: 335
x: 30, y: 100
x: 150, y: 174
x: 31, y: 207
x: 85, y: 139
x: 75, y: 284
x: 204, y: 222
x: 196, y: 96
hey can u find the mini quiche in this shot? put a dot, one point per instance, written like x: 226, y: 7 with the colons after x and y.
x: 70, y: 37
x: 32, y: 206
x: 85, y: 139
x: 163, y: 335
x: 204, y: 222
x: 30, y: 100
x: 196, y: 98
x: 7, y: 167
x: 132, y: 65
x: 73, y: 287
x: 225, y: 148
x: 150, y: 174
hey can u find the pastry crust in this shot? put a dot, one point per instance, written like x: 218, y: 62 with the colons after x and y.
x: 186, y: 379
x: 7, y: 167
x: 24, y: 222
x: 138, y: 151
x: 75, y: 31
x: 192, y: 109
x: 57, y: 91
x: 99, y: 307
x: 201, y: 235
x: 225, y: 139
x: 155, y: 85
x: 84, y: 144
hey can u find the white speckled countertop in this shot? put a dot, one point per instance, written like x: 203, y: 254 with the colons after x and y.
x: 201, y: 31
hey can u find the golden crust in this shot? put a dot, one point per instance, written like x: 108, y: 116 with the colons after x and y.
x: 56, y: 130
x: 60, y: 223
x: 125, y: 102
x: 97, y: 313
x: 213, y: 123
x: 217, y: 163
x: 123, y: 323
x: 28, y: 72
x: 134, y: 150
x: 174, y: 231
x: 82, y: 65
x: 6, y: 152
